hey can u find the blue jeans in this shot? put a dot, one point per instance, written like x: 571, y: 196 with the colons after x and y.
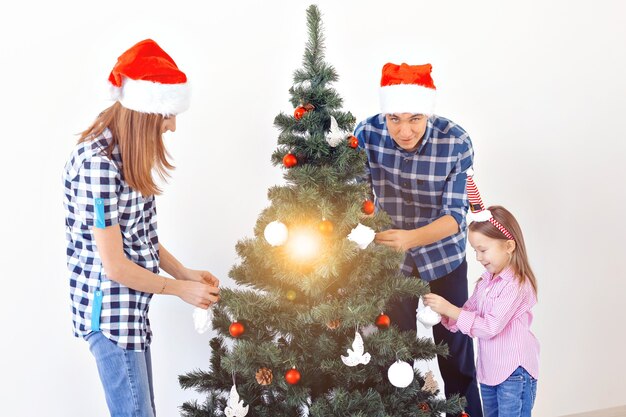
x: 514, y: 397
x: 126, y: 377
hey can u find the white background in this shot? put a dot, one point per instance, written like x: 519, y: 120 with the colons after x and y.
x: 539, y: 85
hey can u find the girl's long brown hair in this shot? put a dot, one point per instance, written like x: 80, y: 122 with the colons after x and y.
x: 140, y: 142
x: 519, y: 259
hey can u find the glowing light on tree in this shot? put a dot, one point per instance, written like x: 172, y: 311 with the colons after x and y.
x: 303, y: 244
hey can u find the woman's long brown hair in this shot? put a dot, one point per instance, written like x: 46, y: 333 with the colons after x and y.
x: 140, y: 142
x: 519, y: 259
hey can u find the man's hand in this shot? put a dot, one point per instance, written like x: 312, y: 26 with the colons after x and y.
x: 401, y: 240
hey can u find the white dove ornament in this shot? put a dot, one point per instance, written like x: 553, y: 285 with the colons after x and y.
x: 234, y: 407
x: 336, y: 135
x: 356, y: 355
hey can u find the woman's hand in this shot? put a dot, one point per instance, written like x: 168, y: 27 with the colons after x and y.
x: 200, y: 276
x: 201, y: 288
x: 442, y: 306
x: 195, y: 293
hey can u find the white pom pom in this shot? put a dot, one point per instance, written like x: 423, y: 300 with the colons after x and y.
x: 115, y: 93
x: 480, y: 216
x: 470, y: 172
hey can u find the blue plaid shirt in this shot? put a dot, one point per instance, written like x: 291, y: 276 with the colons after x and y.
x: 90, y: 174
x: 416, y: 188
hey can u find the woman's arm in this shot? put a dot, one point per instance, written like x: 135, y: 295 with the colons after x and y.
x: 172, y: 266
x: 122, y: 270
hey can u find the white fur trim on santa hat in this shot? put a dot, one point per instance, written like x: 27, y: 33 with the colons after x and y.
x: 479, y: 216
x: 156, y: 98
x: 407, y: 98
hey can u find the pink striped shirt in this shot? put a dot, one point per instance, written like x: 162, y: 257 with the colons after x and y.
x: 498, y: 314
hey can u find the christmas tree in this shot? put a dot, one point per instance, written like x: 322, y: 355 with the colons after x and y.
x: 297, y: 336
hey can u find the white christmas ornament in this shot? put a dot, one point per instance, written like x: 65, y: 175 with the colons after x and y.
x: 362, y: 235
x: 428, y: 317
x: 276, y: 233
x: 336, y: 135
x: 400, y: 374
x: 234, y: 407
x: 202, y: 319
x: 356, y: 355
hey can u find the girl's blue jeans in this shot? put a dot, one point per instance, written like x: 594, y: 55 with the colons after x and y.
x: 126, y: 377
x: 514, y: 397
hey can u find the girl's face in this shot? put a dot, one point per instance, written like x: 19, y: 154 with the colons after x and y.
x: 169, y: 124
x: 493, y: 254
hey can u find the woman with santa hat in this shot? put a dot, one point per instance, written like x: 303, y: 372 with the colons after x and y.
x: 114, y: 255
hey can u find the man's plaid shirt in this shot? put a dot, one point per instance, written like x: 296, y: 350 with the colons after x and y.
x: 90, y: 174
x: 416, y: 188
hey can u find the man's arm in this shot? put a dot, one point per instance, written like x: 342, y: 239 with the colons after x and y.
x: 454, y: 198
x: 403, y: 240
x: 453, y: 210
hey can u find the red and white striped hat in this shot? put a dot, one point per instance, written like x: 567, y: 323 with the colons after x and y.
x: 477, y: 209
x: 146, y: 79
x: 407, y: 89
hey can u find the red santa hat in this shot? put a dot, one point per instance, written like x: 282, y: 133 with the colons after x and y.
x: 477, y: 209
x: 407, y: 89
x: 146, y: 79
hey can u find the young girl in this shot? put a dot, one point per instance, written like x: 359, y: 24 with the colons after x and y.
x: 499, y: 314
x: 113, y: 251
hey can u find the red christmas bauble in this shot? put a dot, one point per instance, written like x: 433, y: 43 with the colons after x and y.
x: 290, y: 160
x: 292, y: 376
x: 383, y: 321
x: 236, y: 329
x: 424, y: 406
x: 368, y: 207
x: 299, y: 112
x: 463, y: 414
x: 353, y: 142
x: 325, y: 227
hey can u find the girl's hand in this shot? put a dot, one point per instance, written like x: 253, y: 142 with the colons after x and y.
x: 442, y: 306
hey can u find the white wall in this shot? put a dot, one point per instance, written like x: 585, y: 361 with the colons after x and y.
x: 539, y: 85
